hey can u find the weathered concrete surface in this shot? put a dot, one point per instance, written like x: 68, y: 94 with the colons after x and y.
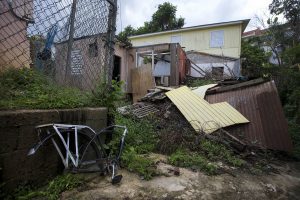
x: 194, y: 185
x: 17, y: 136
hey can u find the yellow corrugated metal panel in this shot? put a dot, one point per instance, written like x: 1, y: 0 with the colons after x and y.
x: 200, y: 91
x: 202, y: 115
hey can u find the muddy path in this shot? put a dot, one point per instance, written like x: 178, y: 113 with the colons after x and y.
x: 284, y: 184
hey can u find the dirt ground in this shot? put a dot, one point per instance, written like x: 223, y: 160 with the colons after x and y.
x: 284, y: 184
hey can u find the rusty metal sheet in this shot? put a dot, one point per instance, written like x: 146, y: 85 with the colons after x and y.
x: 260, y: 104
x: 202, y: 115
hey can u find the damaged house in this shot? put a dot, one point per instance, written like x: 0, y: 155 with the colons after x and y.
x: 211, y: 48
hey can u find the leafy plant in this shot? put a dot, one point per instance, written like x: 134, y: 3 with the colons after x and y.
x: 138, y: 163
x: 141, y: 133
x: 52, y: 191
x: 108, y: 97
x: 215, y: 151
x: 184, y: 158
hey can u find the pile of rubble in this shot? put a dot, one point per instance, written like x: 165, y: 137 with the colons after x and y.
x: 246, y: 114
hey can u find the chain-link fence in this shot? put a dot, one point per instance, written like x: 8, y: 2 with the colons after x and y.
x: 68, y: 40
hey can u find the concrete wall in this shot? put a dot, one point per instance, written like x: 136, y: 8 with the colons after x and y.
x: 17, y: 136
x: 199, y: 40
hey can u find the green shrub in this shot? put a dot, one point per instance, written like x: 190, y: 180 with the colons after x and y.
x: 108, y: 97
x: 294, y: 131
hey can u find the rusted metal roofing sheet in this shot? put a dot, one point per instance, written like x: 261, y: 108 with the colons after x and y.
x: 202, y: 115
x: 200, y: 91
x: 261, y: 105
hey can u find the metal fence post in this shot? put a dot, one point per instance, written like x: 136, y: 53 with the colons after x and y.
x: 71, y: 39
x: 110, y: 40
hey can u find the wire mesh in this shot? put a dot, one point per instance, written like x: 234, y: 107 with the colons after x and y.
x: 70, y: 41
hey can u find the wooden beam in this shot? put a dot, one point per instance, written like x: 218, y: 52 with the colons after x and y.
x: 174, y: 72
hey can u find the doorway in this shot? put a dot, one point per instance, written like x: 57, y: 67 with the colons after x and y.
x: 117, y: 68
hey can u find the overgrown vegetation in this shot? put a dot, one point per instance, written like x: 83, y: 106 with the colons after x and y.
x: 140, y: 142
x: 51, y: 192
x: 29, y: 89
x: 139, y: 163
x: 185, y: 158
x: 215, y: 152
x: 26, y: 88
x: 146, y: 136
x: 196, y: 82
x: 281, y: 39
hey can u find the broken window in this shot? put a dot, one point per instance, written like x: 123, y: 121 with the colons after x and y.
x: 216, y: 39
x: 175, y: 39
x: 217, y: 72
x: 93, y: 50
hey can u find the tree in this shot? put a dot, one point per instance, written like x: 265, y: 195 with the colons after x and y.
x: 128, y: 31
x: 163, y: 19
x: 291, y: 11
x: 253, y: 58
x: 289, y: 8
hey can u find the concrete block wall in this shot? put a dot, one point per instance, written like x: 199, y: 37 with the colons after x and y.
x: 17, y: 136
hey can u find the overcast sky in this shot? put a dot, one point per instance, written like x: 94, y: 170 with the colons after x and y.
x: 195, y: 12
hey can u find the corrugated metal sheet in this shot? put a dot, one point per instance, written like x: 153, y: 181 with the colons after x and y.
x: 202, y: 115
x: 261, y: 105
x: 200, y: 91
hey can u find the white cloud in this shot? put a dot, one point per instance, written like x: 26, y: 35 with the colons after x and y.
x: 195, y: 12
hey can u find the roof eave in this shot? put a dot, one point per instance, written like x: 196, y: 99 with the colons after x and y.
x: 243, y: 22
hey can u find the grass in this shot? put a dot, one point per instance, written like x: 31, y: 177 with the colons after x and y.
x: 28, y: 89
x: 52, y: 191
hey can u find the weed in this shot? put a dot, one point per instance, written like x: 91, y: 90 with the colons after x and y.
x: 141, y: 133
x: 215, y: 151
x: 108, y: 97
x: 198, y: 82
x: 140, y: 164
x: 53, y: 190
x: 184, y: 158
x: 27, y: 88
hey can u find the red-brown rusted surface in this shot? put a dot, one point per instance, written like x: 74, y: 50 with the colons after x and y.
x: 260, y: 104
x: 182, y: 64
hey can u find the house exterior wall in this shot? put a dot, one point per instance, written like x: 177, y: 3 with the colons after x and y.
x: 199, y: 40
x: 14, y: 45
x: 122, y: 53
x: 92, y: 67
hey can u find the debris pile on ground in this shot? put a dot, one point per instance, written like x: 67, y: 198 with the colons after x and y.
x: 199, y: 129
